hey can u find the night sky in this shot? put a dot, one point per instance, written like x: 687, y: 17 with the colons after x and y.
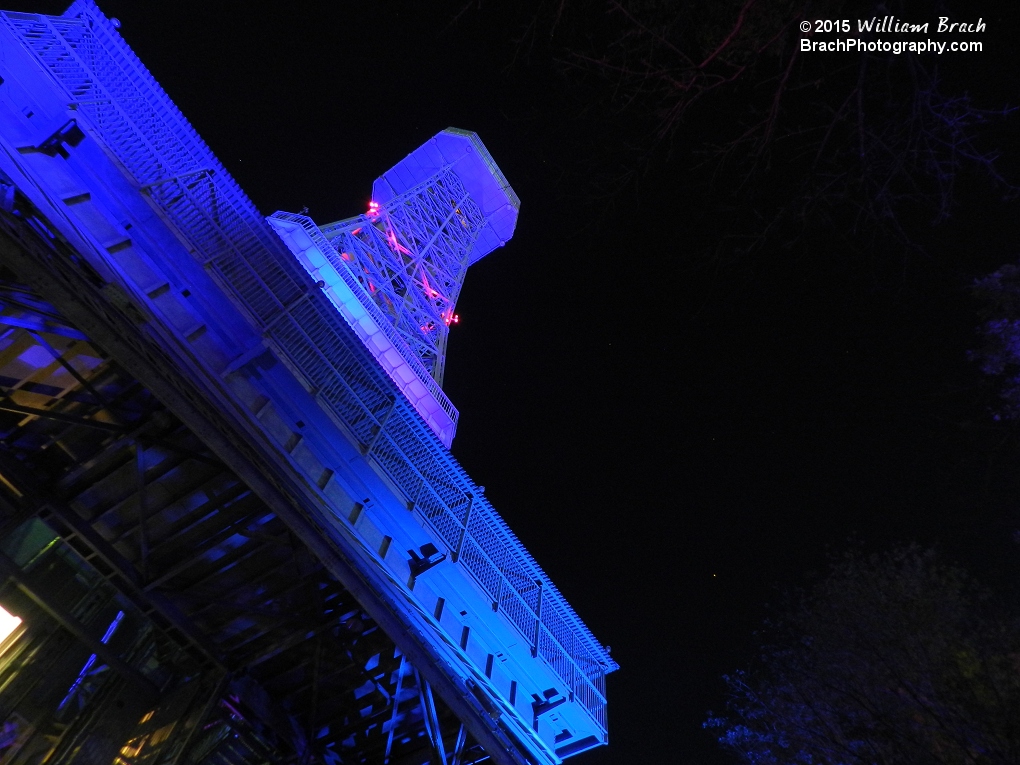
x: 676, y: 430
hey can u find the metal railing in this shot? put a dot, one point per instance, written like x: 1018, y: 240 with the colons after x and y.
x: 123, y: 105
x: 385, y: 324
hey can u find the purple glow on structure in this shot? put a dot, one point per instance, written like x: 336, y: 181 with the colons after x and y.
x: 391, y: 237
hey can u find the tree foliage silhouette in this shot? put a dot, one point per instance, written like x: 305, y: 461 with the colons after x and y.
x: 890, y: 659
x: 999, y: 352
x: 871, y: 143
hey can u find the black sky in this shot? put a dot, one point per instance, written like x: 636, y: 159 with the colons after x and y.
x: 673, y: 435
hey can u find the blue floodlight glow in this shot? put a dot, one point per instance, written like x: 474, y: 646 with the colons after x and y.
x: 342, y: 329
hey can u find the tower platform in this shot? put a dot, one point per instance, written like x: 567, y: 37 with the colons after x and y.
x: 227, y: 534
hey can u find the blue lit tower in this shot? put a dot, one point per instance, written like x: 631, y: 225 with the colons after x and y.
x: 231, y: 528
x: 401, y: 265
x: 440, y: 210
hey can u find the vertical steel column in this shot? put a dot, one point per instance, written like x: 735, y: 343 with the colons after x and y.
x: 455, y: 556
x: 382, y: 426
x: 538, y: 619
x: 499, y: 594
x: 143, y: 512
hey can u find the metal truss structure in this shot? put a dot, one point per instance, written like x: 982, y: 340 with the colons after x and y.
x: 226, y: 629
x: 395, y: 272
x: 410, y: 252
x: 277, y: 558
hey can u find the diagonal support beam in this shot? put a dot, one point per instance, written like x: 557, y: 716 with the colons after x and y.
x: 195, y: 397
x: 143, y: 511
x: 8, y: 406
x: 65, y: 619
x: 428, y: 708
x: 394, y: 715
x: 107, y: 560
x: 41, y: 325
x: 458, y: 748
x: 67, y: 365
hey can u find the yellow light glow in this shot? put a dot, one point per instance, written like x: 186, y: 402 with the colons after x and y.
x: 8, y: 623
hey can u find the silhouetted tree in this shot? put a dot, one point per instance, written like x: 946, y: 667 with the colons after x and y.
x: 999, y: 354
x: 873, y: 142
x: 890, y: 659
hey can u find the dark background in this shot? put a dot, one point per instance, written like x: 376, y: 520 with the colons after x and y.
x: 675, y: 431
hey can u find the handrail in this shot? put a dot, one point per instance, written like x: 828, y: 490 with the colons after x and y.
x: 345, y: 273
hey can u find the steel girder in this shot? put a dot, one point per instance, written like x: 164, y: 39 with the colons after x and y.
x: 142, y: 501
x: 411, y: 254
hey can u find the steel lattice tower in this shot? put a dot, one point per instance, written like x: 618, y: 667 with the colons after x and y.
x: 438, y: 211
x: 231, y: 528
